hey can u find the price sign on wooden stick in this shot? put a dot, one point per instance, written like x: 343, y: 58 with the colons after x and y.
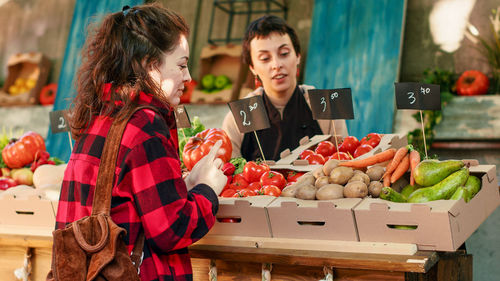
x: 331, y: 105
x: 420, y: 96
x: 182, y: 118
x: 250, y: 115
x: 59, y: 124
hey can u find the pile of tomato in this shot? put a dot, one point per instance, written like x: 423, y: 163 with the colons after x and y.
x: 258, y: 179
x: 350, y: 148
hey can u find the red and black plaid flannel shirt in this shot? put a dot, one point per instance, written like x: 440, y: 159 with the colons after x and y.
x: 149, y: 193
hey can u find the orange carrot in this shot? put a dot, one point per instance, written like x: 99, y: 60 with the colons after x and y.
x: 401, y: 169
x: 387, y: 180
x: 371, y: 160
x: 400, y: 154
x: 414, y: 160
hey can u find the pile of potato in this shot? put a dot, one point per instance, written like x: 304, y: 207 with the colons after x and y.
x: 332, y: 182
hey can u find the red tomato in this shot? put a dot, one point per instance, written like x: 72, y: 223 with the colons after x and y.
x: 23, y: 151
x: 362, y: 149
x: 343, y: 156
x: 239, y: 180
x: 245, y: 192
x: 235, y: 186
x: 305, y: 153
x: 48, y: 94
x: 253, y: 171
x: 273, y: 178
x: 255, y: 186
x: 228, y: 192
x: 228, y: 182
x: 325, y: 148
x: 271, y: 190
x: 199, y: 146
x: 349, y: 145
x: 472, y: 82
x: 372, y: 139
x: 315, y: 159
x: 293, y: 176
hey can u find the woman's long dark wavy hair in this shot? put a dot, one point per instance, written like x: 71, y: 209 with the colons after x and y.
x: 120, y: 51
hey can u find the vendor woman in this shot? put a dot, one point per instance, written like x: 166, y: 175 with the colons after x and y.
x: 272, y: 50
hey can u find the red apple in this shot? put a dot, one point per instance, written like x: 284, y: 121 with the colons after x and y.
x: 6, y: 183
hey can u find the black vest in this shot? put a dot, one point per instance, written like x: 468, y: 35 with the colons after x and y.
x: 297, y: 123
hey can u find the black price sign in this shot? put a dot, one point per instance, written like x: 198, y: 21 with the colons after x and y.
x: 181, y: 117
x: 331, y: 104
x: 58, y: 122
x: 250, y: 114
x: 412, y: 95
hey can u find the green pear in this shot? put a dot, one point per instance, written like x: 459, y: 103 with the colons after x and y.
x: 430, y: 172
x: 442, y: 190
x: 473, y: 185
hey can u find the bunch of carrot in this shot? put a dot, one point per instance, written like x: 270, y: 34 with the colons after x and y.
x: 381, y: 157
x: 401, y: 160
x: 405, y: 158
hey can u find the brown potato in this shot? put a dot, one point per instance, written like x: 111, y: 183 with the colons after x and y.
x: 375, y: 172
x: 361, y: 169
x: 290, y: 190
x: 356, y: 171
x: 318, y: 172
x: 374, y: 188
x: 330, y: 191
x: 306, y: 179
x: 362, y: 177
x: 355, y: 189
x: 330, y: 165
x: 307, y: 192
x: 323, y: 180
x: 341, y: 175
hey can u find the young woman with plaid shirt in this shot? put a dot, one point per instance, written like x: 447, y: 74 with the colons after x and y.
x: 139, y: 57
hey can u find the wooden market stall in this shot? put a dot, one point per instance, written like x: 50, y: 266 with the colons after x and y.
x: 24, y: 248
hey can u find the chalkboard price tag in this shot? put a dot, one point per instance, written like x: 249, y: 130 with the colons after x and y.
x: 58, y: 122
x: 331, y: 104
x: 413, y: 95
x: 250, y: 114
x: 182, y: 117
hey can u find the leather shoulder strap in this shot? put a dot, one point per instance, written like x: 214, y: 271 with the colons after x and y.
x: 102, y: 194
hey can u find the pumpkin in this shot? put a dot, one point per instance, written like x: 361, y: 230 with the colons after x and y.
x: 23, y: 151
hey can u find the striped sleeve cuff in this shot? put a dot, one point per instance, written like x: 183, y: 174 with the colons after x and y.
x: 208, y: 193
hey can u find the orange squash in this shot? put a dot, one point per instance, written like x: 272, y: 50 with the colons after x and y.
x: 23, y: 151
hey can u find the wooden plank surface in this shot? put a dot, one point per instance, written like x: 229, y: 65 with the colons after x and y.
x: 11, y: 258
x: 252, y: 272
x: 310, y: 244
x: 420, y: 262
x: 25, y: 236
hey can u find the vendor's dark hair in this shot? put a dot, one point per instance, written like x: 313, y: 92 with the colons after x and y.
x: 120, y: 51
x: 264, y: 26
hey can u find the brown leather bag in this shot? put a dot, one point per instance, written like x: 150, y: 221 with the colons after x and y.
x: 92, y: 248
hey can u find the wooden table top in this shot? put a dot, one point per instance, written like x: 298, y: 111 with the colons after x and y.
x: 420, y: 262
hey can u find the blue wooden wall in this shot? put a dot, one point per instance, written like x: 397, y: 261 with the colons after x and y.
x: 85, y: 12
x: 357, y: 44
